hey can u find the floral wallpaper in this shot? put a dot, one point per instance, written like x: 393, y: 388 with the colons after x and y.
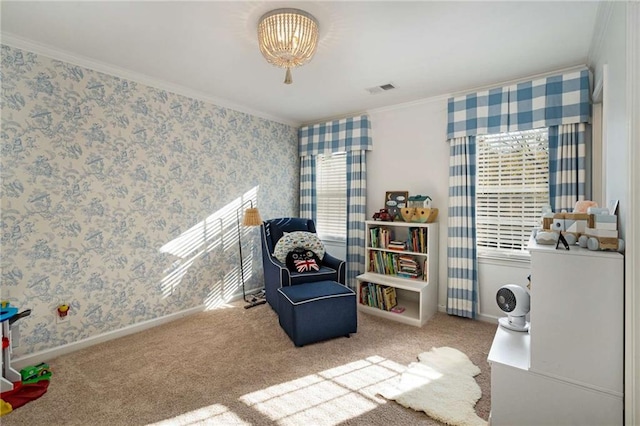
x: 122, y: 200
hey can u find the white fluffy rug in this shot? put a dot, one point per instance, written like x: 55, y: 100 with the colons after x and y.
x: 442, y: 385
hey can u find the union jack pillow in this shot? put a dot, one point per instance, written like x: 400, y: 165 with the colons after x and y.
x: 302, y: 260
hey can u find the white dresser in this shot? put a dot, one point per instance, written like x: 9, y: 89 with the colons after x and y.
x: 568, y: 369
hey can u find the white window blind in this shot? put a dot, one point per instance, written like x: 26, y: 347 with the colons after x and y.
x: 331, y: 195
x: 512, y: 188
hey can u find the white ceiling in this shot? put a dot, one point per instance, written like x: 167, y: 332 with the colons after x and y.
x: 209, y: 49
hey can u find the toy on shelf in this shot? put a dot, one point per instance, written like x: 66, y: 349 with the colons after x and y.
x: 596, y: 228
x: 419, y: 210
x: 419, y: 201
x: 419, y: 214
x: 383, y: 215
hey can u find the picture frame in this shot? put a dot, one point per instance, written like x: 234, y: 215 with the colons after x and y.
x: 394, y: 201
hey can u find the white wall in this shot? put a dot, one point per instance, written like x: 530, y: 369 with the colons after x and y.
x: 410, y: 152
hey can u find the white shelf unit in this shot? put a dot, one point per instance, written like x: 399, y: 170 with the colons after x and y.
x: 568, y: 368
x: 419, y: 297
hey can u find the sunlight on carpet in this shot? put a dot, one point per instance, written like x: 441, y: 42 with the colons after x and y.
x: 213, y: 414
x: 441, y: 384
x: 323, y: 399
x: 328, y: 397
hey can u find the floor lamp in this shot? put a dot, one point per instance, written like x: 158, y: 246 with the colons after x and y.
x: 251, y: 218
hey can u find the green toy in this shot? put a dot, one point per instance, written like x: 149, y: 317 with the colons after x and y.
x: 34, y: 374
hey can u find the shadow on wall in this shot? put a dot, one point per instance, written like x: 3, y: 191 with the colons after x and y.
x: 220, y: 231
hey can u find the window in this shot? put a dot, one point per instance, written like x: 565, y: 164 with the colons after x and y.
x: 512, y: 188
x: 331, y: 195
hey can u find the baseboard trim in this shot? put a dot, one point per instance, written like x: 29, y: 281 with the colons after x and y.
x: 481, y: 317
x: 49, y: 354
x: 488, y: 318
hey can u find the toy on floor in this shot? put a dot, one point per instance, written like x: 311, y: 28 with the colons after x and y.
x: 35, y: 374
x: 18, y: 388
x: 5, y: 408
x: 25, y: 393
x: 9, y: 375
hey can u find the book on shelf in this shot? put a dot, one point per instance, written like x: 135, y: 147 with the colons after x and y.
x: 408, y: 267
x: 402, y: 265
x: 417, y: 240
x: 378, y: 296
x: 390, y: 298
x: 364, y: 294
x: 397, y: 245
x: 379, y: 237
x: 425, y: 270
x: 373, y: 300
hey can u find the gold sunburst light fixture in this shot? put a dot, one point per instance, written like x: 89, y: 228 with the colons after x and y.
x: 288, y: 38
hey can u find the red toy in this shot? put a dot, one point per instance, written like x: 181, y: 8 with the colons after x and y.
x: 383, y: 215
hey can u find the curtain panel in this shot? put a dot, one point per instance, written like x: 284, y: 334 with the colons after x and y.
x: 560, y: 103
x: 353, y: 136
x: 308, y: 187
x: 462, y: 259
x: 356, y: 214
x: 568, y: 166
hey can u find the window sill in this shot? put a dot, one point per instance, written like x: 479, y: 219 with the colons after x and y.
x: 333, y: 240
x: 505, y: 259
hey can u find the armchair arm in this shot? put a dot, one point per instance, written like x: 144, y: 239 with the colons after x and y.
x: 334, y: 263
x: 276, y: 275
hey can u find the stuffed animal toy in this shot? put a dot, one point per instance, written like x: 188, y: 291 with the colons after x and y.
x: 302, y: 260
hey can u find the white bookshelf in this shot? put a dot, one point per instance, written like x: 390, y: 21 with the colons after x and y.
x: 419, y: 296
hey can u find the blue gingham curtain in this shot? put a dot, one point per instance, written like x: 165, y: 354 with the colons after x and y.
x: 308, y: 187
x: 356, y: 214
x: 462, y: 259
x: 550, y: 101
x: 479, y: 113
x: 553, y: 102
x: 351, y: 135
x: 567, y: 165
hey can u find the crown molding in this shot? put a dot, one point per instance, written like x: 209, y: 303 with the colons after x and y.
x: 410, y: 104
x: 86, y: 62
x: 386, y: 108
x: 445, y: 97
x: 333, y: 118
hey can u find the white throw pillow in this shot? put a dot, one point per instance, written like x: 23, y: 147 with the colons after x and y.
x: 291, y: 240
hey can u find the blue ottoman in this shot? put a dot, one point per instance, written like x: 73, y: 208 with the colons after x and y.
x: 317, y: 311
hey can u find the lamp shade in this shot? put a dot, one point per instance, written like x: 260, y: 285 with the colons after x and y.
x: 288, y: 38
x: 251, y: 217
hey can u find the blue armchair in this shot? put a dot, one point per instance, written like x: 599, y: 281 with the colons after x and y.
x: 276, y: 274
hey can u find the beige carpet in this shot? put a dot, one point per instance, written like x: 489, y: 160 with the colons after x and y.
x: 237, y: 366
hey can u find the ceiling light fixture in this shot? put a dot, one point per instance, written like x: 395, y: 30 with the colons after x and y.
x: 288, y: 38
